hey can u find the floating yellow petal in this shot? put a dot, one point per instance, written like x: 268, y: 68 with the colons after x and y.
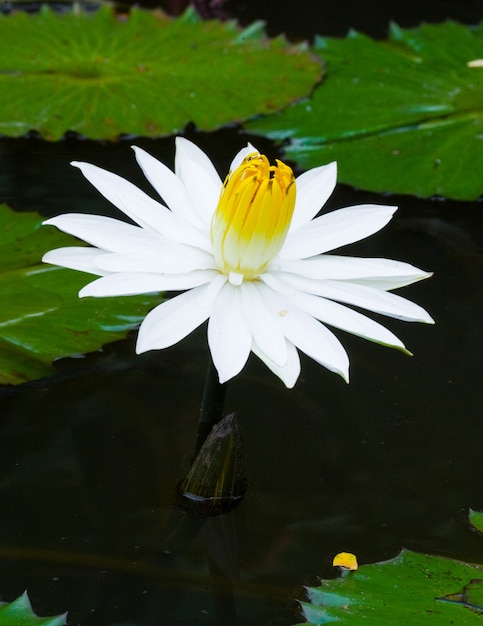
x: 253, y: 216
x: 347, y: 560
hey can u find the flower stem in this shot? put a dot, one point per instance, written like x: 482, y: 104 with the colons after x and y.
x: 212, y: 404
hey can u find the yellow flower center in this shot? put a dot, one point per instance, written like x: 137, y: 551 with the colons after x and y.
x: 253, y: 216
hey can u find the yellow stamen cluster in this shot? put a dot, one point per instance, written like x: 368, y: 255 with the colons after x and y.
x: 253, y: 216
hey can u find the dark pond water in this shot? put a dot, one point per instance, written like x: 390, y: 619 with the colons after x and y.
x: 89, y: 458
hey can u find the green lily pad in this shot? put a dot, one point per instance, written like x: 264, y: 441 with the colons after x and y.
x: 19, y: 613
x: 476, y: 520
x: 41, y: 317
x: 146, y: 74
x: 412, y: 588
x: 403, y: 115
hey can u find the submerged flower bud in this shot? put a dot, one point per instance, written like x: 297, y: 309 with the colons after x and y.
x: 216, y: 481
x: 253, y: 216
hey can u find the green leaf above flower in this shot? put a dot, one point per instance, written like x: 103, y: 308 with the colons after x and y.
x: 19, y: 613
x: 42, y: 317
x: 403, y: 115
x: 412, y: 588
x: 146, y: 74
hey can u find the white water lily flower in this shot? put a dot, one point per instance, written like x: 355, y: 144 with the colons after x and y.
x: 250, y: 254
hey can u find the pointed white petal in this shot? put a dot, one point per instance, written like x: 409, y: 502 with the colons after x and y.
x: 169, y: 322
x: 203, y: 193
x: 75, y: 258
x: 199, y: 177
x: 188, y: 151
x: 170, y: 258
x: 368, y: 298
x: 387, y: 284
x: 317, y: 341
x: 290, y: 371
x: 106, y: 233
x: 378, y: 271
x: 243, y: 153
x: 335, y: 229
x: 314, y: 188
x: 132, y: 283
x: 136, y: 204
x: 170, y: 188
x: 229, y: 337
x: 261, y: 310
x: 342, y: 317
x: 140, y: 207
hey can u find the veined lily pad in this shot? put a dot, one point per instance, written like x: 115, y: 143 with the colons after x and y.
x: 412, y: 588
x: 403, y: 115
x: 42, y: 318
x: 146, y: 74
x: 19, y: 613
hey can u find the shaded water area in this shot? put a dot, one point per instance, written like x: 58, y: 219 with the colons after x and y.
x: 90, y: 458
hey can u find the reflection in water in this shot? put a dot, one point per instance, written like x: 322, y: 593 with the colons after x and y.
x: 214, y: 485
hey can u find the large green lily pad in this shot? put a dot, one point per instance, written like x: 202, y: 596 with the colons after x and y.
x: 146, y: 74
x: 412, y: 588
x: 403, y: 115
x: 41, y: 317
x: 19, y: 613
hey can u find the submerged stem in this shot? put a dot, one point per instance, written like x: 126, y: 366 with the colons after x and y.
x: 212, y: 404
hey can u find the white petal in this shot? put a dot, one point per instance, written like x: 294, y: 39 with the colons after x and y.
x: 170, y: 188
x: 359, y: 295
x: 261, y: 311
x: 136, y: 204
x: 75, y: 258
x: 314, y: 188
x: 132, y: 283
x: 169, y: 322
x: 241, y: 154
x: 315, y: 340
x: 188, y: 151
x: 378, y: 271
x: 340, y: 316
x: 289, y: 372
x: 229, y: 337
x: 106, y: 233
x: 199, y: 177
x: 168, y: 259
x: 387, y: 284
x: 140, y: 207
x: 335, y: 229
